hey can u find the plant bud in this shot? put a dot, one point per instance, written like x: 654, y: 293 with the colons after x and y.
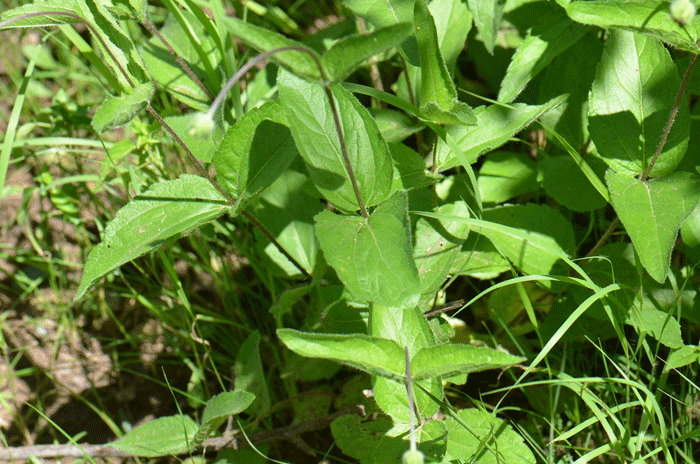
x: 682, y: 11
x: 413, y: 457
x: 202, y: 125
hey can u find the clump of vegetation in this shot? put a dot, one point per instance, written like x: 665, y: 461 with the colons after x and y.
x: 278, y: 207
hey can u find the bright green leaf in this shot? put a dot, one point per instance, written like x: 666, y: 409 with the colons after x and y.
x: 373, y: 257
x: 505, y: 175
x: 376, y: 356
x: 645, y: 16
x: 350, y: 52
x: 453, y: 21
x: 631, y: 99
x: 545, y: 41
x: 202, y: 144
x: 495, y: 126
x: 652, y: 212
x: 166, y: 210
x: 454, y: 359
x: 117, y: 111
x: 311, y: 121
x: 482, y: 437
x: 487, y: 17
x: 218, y: 409
x: 658, y: 325
x: 160, y: 437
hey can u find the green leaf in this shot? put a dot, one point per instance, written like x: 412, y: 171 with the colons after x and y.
x: 687, y: 354
x: 505, y: 175
x: 454, y: 359
x: 349, y: 53
x: 495, y: 126
x: 487, y: 17
x: 166, y: 210
x: 395, y: 126
x: 564, y: 181
x: 409, y: 328
x: 249, y: 375
x: 652, y: 212
x: 649, y: 17
x: 159, y: 437
x: 218, y: 409
x: 41, y: 20
x: 453, y: 21
x: 479, y: 258
x: 658, y: 325
x: 168, y: 73
x: 377, y: 356
x: 545, y: 41
x: 437, y: 245
x: 202, y: 144
x: 117, y: 111
x: 373, y: 257
x: 546, y: 236
x: 438, y: 95
x: 264, y: 40
x: 287, y: 211
x: 484, y: 438
x: 382, y: 14
x: 631, y: 99
x: 311, y: 121
x: 255, y: 151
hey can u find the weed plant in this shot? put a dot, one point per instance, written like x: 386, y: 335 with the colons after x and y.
x: 443, y: 232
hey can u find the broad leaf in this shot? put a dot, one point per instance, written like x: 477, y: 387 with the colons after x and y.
x: 438, y: 95
x: 160, y: 437
x: 373, y: 257
x: 255, y: 151
x: 287, y: 211
x: 564, y: 181
x: 117, y: 111
x: 454, y: 359
x: 203, y: 142
x: 249, y: 374
x: 382, y: 14
x: 487, y: 17
x: 349, y: 53
x: 505, y: 175
x: 652, y: 212
x: 658, y: 325
x: 166, y: 210
x: 409, y: 328
x: 41, y: 20
x: 479, y: 258
x: 376, y: 356
x: 649, y: 17
x: 264, y: 40
x: 545, y: 236
x: 495, y: 126
x: 217, y: 410
x: 631, y: 99
x: 311, y: 121
x: 545, y: 41
x: 453, y: 21
x: 482, y: 437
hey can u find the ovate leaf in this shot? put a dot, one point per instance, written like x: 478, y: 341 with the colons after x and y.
x: 632, y: 96
x: 313, y: 127
x: 217, y: 410
x: 166, y: 210
x: 373, y: 256
x: 160, y: 437
x: 117, y: 111
x: 652, y: 212
x: 487, y: 17
x: 249, y: 374
x: 454, y: 359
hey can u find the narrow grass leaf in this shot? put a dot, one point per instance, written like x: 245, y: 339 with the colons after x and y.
x: 455, y: 359
x: 632, y: 96
x: 166, y: 210
x: 160, y: 437
x: 313, y: 127
x: 376, y: 356
x: 652, y: 212
x: 648, y: 17
x: 545, y: 41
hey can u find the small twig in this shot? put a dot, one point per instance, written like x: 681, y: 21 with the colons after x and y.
x: 24, y: 453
